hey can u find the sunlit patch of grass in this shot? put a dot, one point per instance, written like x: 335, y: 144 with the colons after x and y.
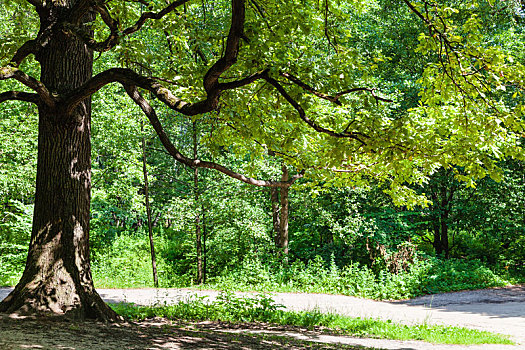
x: 261, y: 308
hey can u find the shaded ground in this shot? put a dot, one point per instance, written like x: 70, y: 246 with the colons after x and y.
x: 161, y: 334
x: 497, y: 295
x: 154, y: 335
x: 499, y: 310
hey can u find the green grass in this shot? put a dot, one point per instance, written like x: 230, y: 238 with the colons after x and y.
x: 261, y: 308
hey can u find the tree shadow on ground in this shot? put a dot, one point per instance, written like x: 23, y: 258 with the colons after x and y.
x: 499, y: 302
x: 153, y: 334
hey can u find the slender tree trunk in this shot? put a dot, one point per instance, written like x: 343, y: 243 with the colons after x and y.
x: 198, y: 235
x: 435, y: 222
x: 148, y: 208
x: 280, y: 213
x: 437, y: 236
x: 276, y: 216
x: 204, y: 235
x: 284, y: 212
x: 444, y: 237
x: 57, y: 277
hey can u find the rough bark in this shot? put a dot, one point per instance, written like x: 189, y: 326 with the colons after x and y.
x: 57, y: 278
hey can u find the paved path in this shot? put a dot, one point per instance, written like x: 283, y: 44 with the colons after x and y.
x: 499, y: 310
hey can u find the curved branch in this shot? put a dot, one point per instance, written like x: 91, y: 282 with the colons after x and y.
x: 304, y: 117
x: 334, y: 99
x: 127, y: 76
x: 115, y: 35
x: 29, y: 81
x: 19, y: 96
x: 211, y: 79
x: 28, y: 48
x: 153, y: 15
x: 242, y: 82
x: 134, y: 94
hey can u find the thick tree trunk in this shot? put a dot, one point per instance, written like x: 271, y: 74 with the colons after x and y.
x: 57, y: 278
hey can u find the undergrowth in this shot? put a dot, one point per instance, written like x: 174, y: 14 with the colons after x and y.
x: 427, y: 275
x: 127, y: 265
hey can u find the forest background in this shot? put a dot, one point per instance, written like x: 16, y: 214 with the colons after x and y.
x: 348, y: 233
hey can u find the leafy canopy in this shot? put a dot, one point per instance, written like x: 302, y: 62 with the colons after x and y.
x: 303, y: 80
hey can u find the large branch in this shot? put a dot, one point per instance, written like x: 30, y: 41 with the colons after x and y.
x: 242, y: 82
x: 345, y: 134
x: 113, y: 24
x: 29, y: 81
x: 36, y: 3
x: 133, y: 92
x: 126, y: 76
x: 19, y: 96
x: 28, y: 48
x: 211, y: 79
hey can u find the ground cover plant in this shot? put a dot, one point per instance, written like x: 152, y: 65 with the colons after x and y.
x: 262, y: 309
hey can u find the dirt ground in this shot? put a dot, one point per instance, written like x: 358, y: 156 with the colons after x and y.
x: 499, y: 309
x: 153, y: 334
x: 160, y: 334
